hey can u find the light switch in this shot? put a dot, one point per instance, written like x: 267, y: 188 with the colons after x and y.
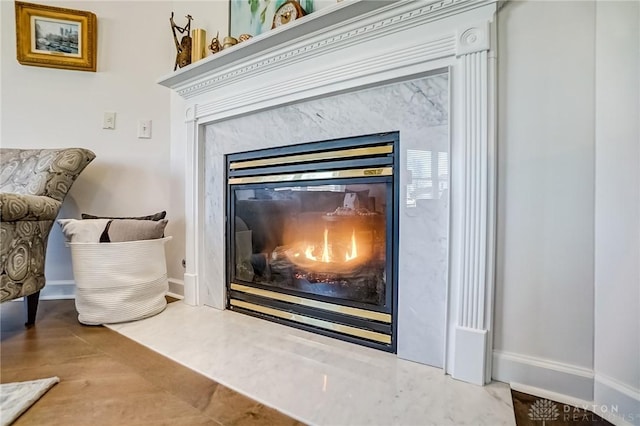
x: 144, y: 129
x: 109, y: 120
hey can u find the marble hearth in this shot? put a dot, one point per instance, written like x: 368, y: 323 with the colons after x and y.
x: 423, y: 68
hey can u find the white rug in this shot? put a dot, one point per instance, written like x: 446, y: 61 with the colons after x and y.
x: 16, y: 398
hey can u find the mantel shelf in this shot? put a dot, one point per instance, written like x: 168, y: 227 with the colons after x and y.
x: 317, y: 21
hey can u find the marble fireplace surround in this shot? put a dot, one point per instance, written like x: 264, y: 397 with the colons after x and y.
x: 344, y: 50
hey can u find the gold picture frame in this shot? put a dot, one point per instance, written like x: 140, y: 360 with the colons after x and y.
x: 56, y: 37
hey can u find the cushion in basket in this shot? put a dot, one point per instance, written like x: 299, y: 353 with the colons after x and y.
x: 83, y: 231
x: 134, y: 230
x: 117, y: 230
x: 156, y: 216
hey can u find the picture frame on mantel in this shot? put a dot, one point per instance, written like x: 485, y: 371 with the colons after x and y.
x: 55, y: 37
x: 256, y: 16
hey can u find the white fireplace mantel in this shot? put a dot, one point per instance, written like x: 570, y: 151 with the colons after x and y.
x: 354, y: 45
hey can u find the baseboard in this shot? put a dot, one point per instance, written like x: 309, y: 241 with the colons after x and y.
x: 66, y: 289
x: 58, y: 289
x: 176, y: 288
x: 616, y: 402
x: 559, y: 378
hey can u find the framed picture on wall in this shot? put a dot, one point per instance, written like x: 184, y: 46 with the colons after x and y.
x: 256, y: 16
x: 55, y: 37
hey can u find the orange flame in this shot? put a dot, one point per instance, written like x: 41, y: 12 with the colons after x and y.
x: 325, y: 248
x: 310, y: 251
x: 354, y: 248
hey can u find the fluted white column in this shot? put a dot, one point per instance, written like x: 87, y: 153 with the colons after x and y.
x: 476, y: 215
x: 192, y: 210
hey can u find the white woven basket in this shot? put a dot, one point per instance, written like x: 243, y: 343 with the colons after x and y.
x: 118, y: 282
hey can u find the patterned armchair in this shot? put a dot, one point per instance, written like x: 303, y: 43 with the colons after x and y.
x: 33, y: 184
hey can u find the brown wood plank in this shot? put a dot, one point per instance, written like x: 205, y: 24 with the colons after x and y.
x: 107, y: 379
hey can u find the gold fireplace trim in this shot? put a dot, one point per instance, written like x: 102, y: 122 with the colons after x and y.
x: 331, y: 174
x: 355, y: 312
x: 316, y: 156
x: 352, y: 331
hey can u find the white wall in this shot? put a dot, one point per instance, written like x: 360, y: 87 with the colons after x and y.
x: 544, y: 273
x: 46, y: 107
x: 617, y: 208
x: 567, y: 316
x: 213, y: 17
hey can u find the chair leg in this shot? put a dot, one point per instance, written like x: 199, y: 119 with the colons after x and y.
x: 31, y: 305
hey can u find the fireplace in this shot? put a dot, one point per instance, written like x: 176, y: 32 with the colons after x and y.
x: 311, y: 231
x: 425, y: 68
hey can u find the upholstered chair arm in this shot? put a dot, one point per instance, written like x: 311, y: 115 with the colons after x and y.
x: 14, y: 207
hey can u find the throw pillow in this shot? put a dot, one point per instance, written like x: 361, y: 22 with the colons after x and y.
x: 134, y: 229
x: 82, y: 231
x: 115, y: 230
x: 156, y: 216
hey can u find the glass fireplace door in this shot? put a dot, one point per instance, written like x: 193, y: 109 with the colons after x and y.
x: 325, y: 240
x: 310, y: 236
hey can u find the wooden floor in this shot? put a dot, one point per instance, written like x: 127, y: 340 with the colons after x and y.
x: 108, y: 379
x: 555, y: 414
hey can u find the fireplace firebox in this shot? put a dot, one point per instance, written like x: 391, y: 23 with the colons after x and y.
x: 312, y: 234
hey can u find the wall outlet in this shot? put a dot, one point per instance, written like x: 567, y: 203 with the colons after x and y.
x: 144, y: 129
